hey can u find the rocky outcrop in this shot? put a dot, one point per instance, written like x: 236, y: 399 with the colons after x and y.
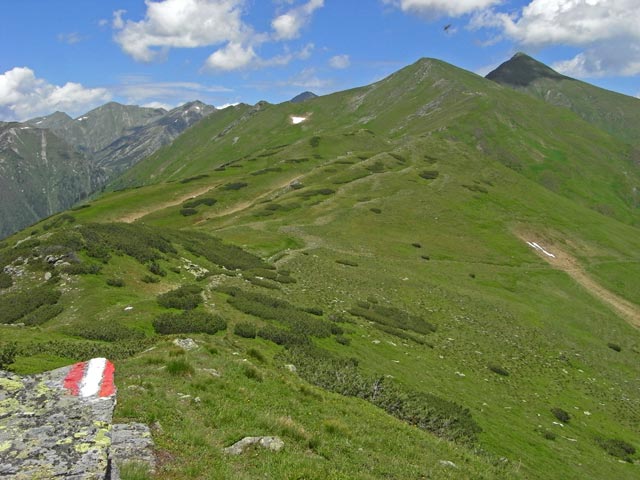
x: 275, y: 444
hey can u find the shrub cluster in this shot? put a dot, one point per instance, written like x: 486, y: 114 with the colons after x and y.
x: 498, y: 369
x: 217, y: 252
x: 266, y: 170
x: 271, y: 308
x: 318, y: 191
x: 42, y: 314
x: 115, y: 282
x: 186, y: 297
x: 192, y: 179
x: 107, y: 331
x: 81, y: 268
x: 189, y: 322
x: 617, y: 448
x: 143, y: 243
x: 15, y: 306
x: 561, y: 415
x: 8, y: 352
x: 59, y: 221
x: 208, y: 201
x: 614, y: 346
x: 5, y: 280
x: 245, y: 330
x: 349, y: 263
x: 235, y: 186
x: 187, y: 212
x: 430, y: 174
x: 86, y: 350
x: 392, y: 317
x: 442, y: 417
x: 314, y: 142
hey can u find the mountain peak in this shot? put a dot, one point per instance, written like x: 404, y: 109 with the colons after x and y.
x: 303, y: 97
x: 522, y: 70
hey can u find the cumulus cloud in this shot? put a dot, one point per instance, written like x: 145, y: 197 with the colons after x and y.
x: 288, y: 25
x: 606, y: 29
x: 340, y: 62
x: 23, y: 96
x: 182, y: 24
x: 436, y: 8
x: 238, y: 57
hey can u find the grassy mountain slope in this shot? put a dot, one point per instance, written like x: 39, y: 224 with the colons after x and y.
x: 388, y: 229
x: 40, y: 175
x: 612, y: 112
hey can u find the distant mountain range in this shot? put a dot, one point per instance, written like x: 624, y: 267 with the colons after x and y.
x: 49, y: 163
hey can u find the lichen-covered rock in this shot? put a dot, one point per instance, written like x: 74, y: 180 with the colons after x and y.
x: 57, y: 424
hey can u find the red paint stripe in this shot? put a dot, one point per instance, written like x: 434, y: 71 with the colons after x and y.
x: 72, y: 380
x: 107, y: 388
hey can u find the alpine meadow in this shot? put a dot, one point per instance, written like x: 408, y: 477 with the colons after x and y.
x: 432, y: 276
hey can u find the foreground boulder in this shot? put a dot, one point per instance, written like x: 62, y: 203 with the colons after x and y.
x: 57, y: 424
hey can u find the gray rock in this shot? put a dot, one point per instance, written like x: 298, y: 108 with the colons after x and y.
x: 47, y: 432
x: 274, y: 444
x: 448, y: 463
x: 185, y: 343
x: 131, y: 443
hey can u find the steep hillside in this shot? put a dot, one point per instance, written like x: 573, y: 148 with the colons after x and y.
x: 40, y: 175
x: 429, y: 277
x: 612, y: 112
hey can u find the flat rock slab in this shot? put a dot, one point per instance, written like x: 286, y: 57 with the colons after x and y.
x: 57, y: 424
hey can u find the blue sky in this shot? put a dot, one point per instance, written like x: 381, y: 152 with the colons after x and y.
x: 73, y: 55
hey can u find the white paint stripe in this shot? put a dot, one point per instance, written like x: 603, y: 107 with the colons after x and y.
x: 93, y: 377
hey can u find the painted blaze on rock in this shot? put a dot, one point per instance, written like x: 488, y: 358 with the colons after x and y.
x: 57, y: 424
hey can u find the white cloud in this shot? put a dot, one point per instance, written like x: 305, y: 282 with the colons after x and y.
x: 142, y: 90
x: 606, y: 29
x: 436, y: 8
x: 340, y: 61
x: 308, y: 80
x: 288, y: 25
x: 181, y: 24
x: 238, y: 57
x: 23, y: 96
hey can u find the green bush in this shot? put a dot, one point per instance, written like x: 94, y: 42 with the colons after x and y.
x: 392, y: 317
x: 85, y: 350
x: 314, y: 142
x: 342, y: 340
x: 42, y: 314
x: 235, y: 186
x: 115, y: 282
x: 252, y: 373
x: 561, y: 415
x: 5, y: 280
x: 186, y: 297
x: 257, y: 355
x: 498, y: 369
x: 430, y: 174
x: 81, y: 268
x: 208, y: 201
x: 348, y: 263
x: 442, y: 417
x: 617, y: 448
x: 376, y: 210
x: 416, y: 245
x: 614, y: 346
x: 245, y: 330
x: 156, y: 269
x: 319, y: 191
x: 189, y: 322
x: 14, y: 306
x: 105, y: 331
x: 192, y: 179
x: 8, y: 353
x: 150, y: 279
x: 187, y: 212
x: 59, y: 221
x: 280, y: 336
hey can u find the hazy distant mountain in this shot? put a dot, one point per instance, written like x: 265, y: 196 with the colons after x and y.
x: 40, y: 174
x: 613, y: 112
x: 49, y: 163
x: 303, y: 97
x: 139, y: 142
x: 100, y: 127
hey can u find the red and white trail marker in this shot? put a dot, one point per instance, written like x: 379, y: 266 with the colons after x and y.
x: 91, y: 379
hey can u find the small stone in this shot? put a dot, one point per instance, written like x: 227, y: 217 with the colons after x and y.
x: 47, y: 276
x: 448, y: 463
x: 185, y: 343
x: 275, y: 444
x: 212, y: 371
x: 291, y: 367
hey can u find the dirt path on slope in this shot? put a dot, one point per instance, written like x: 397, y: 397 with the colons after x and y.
x: 565, y: 262
x: 132, y: 217
x: 248, y: 204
